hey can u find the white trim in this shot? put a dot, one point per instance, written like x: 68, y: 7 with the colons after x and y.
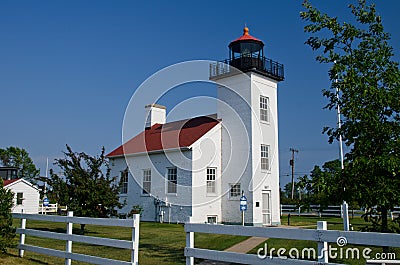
x: 23, y: 180
x: 175, y: 149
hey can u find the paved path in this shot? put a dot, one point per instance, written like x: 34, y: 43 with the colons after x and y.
x: 246, y: 245
x: 242, y: 247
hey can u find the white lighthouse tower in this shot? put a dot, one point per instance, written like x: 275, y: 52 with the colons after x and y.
x: 247, y: 106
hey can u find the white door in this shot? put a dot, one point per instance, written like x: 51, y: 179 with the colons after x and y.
x: 266, y: 207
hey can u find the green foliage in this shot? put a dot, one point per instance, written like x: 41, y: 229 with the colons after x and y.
x: 84, y: 188
x: 136, y: 209
x: 286, y: 194
x: 368, y: 85
x: 19, y: 158
x: 7, y: 232
x: 324, y: 186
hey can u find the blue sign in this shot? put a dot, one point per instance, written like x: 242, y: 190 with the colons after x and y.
x: 243, y: 203
x: 46, y: 202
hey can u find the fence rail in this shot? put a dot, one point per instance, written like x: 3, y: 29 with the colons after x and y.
x: 320, y: 235
x: 68, y: 255
x: 331, y: 210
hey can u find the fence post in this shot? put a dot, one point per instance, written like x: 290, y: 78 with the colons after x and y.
x: 322, y: 246
x: 68, y: 247
x: 346, y: 224
x: 22, y: 236
x: 190, y: 244
x: 135, y: 239
x: 341, y: 211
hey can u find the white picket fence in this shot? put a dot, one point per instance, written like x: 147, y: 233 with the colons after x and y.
x: 68, y: 255
x: 51, y: 208
x: 320, y: 235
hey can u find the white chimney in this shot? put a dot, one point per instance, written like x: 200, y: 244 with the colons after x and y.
x: 155, y: 114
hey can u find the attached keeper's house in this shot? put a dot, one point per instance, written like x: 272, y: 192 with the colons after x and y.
x: 201, y: 167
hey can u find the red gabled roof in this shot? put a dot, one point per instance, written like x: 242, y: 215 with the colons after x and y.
x: 245, y: 37
x: 171, y: 135
x: 8, y: 182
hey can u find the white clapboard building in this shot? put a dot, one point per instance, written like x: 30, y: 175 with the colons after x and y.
x: 26, y: 196
x: 201, y: 167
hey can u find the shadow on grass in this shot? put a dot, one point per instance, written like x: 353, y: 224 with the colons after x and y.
x: 35, y: 261
x: 76, y: 231
x: 167, y: 253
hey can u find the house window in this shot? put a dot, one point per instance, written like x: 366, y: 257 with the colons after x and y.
x: 211, y: 174
x: 234, y: 192
x: 264, y: 102
x: 20, y: 198
x: 264, y: 157
x: 124, y: 182
x: 146, y: 181
x: 172, y: 180
x: 211, y: 219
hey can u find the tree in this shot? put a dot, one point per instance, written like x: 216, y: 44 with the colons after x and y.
x: 324, y: 186
x: 7, y: 232
x: 84, y: 188
x: 18, y: 157
x: 368, y: 85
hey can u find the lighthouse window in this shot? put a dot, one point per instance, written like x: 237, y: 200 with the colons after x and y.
x: 264, y: 157
x: 146, y: 181
x: 211, y: 173
x: 172, y: 180
x: 124, y: 182
x: 264, y: 103
x: 234, y: 192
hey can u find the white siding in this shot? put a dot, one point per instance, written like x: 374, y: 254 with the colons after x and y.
x: 265, y: 133
x: 30, y: 202
x: 206, y: 153
x: 179, y: 204
x: 242, y: 136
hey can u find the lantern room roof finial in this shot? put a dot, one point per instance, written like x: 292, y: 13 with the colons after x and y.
x: 246, y: 37
x: 245, y: 30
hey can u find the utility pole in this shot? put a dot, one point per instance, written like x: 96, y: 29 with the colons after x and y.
x: 292, y: 165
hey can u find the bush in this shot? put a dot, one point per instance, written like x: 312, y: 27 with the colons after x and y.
x: 7, y: 232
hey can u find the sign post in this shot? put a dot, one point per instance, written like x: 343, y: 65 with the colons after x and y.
x: 46, y: 202
x: 243, y: 206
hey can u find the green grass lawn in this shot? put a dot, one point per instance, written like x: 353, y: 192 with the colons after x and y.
x: 159, y: 243
x: 334, y: 223
x: 164, y: 243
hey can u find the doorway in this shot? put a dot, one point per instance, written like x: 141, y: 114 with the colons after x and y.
x: 266, y: 208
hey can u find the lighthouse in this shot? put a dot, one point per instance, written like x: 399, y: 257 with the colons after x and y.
x: 247, y: 106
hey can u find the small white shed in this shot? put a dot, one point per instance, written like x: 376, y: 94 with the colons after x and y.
x: 26, y: 195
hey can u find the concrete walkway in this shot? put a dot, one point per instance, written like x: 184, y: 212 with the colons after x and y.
x: 247, y: 245
x: 242, y: 247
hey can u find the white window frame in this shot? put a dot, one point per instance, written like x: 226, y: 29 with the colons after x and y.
x: 124, y: 181
x: 211, y: 176
x: 172, y: 180
x: 214, y: 217
x: 235, y: 191
x: 264, y: 109
x: 265, y: 154
x: 146, y: 185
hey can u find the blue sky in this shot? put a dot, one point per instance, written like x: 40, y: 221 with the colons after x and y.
x: 69, y: 68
